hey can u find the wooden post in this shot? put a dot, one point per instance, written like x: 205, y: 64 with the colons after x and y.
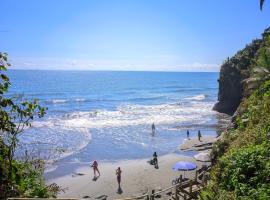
x: 185, y: 197
x: 190, y: 187
x: 176, y: 193
x: 153, y: 195
x: 203, y: 179
x: 148, y: 196
x: 196, y: 175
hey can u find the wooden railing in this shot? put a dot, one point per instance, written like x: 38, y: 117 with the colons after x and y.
x: 42, y: 199
x: 183, y: 188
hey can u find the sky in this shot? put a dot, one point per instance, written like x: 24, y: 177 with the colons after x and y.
x: 133, y: 35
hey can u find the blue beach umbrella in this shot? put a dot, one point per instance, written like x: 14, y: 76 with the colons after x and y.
x: 184, y: 166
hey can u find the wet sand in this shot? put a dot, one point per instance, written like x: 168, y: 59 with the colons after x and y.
x: 193, y: 144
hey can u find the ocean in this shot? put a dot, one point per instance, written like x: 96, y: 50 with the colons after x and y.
x: 103, y: 115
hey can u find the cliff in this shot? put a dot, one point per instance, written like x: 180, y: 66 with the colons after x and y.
x: 241, y: 157
x: 238, y: 76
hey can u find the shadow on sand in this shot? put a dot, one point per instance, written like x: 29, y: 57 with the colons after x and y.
x: 119, y: 190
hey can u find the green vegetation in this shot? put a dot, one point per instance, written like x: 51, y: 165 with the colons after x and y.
x: 18, y: 178
x: 242, y: 168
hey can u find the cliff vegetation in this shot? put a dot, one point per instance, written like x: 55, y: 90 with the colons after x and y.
x: 242, y: 156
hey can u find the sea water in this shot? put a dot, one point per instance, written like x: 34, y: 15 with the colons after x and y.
x: 94, y: 115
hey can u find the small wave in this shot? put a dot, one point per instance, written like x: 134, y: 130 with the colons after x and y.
x: 55, y: 142
x: 50, y: 168
x: 62, y: 101
x: 147, y: 98
x: 55, y: 101
x: 80, y: 100
x: 174, y: 87
x: 198, y: 97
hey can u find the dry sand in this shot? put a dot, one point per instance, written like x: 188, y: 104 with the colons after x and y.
x: 138, y: 176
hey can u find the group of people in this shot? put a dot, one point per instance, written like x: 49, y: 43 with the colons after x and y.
x: 118, y: 173
x: 154, y: 132
x: 199, y: 135
x: 153, y: 161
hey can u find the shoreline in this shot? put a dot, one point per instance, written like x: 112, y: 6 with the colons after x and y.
x: 138, y: 176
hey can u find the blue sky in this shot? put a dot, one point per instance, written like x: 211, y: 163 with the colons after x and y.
x: 151, y: 35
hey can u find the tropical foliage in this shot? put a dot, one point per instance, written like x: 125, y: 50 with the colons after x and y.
x: 243, y: 168
x: 242, y: 156
x: 18, y: 178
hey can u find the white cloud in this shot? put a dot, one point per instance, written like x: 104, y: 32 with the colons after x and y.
x: 162, y: 63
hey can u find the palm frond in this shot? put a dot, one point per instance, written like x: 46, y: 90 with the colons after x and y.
x: 261, y: 4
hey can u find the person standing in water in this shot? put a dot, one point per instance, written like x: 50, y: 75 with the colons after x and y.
x: 95, y: 168
x: 118, y: 176
x: 199, y: 135
x: 153, y: 129
x: 188, y: 134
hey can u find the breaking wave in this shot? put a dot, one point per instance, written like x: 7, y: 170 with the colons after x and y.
x: 197, y: 97
x: 133, y: 115
x: 71, y: 131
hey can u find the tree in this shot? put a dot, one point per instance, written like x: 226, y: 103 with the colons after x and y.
x: 15, y: 114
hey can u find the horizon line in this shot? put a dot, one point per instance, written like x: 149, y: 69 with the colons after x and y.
x: 93, y: 70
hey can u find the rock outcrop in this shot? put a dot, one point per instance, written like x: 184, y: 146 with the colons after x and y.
x: 237, y: 79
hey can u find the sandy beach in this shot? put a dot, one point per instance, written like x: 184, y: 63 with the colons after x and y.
x: 194, y: 144
x: 138, y: 177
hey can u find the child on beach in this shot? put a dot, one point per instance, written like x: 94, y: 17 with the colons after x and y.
x: 154, y: 161
x: 95, y: 168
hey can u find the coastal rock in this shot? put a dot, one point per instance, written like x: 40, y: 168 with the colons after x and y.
x: 230, y: 90
x: 236, y: 79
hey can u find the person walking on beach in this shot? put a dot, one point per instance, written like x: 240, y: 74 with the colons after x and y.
x: 153, y: 129
x: 199, y: 135
x: 188, y: 134
x: 118, y: 176
x: 95, y: 168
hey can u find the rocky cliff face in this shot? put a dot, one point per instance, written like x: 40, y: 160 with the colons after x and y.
x: 236, y: 79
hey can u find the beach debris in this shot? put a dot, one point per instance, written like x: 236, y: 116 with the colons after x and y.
x: 77, y: 174
x: 102, y: 197
x: 144, y: 190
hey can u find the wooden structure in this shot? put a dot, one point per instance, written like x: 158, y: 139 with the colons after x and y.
x: 181, y: 189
